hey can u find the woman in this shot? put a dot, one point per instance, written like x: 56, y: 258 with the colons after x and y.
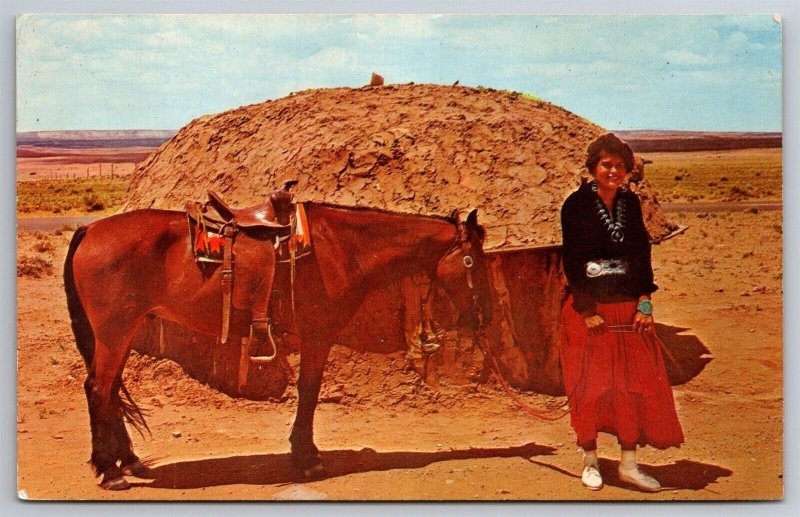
x: 613, y: 367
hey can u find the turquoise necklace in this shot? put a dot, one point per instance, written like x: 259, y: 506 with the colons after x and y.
x: 616, y: 225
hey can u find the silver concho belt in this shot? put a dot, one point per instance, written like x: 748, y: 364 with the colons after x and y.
x: 595, y: 268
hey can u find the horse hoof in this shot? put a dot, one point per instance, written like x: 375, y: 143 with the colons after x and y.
x: 314, y: 472
x: 137, y: 469
x: 117, y: 483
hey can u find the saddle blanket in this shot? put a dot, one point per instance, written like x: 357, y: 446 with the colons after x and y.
x: 208, y: 245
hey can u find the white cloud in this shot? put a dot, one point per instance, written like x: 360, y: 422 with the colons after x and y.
x: 331, y: 58
x: 685, y: 57
x: 170, y: 39
x: 737, y: 38
x: 394, y: 26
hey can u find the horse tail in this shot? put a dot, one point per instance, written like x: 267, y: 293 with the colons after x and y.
x: 132, y: 412
x: 84, y: 336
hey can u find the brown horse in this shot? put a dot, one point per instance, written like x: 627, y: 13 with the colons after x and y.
x: 122, y: 268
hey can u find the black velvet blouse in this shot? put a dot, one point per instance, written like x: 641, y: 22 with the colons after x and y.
x: 586, y: 238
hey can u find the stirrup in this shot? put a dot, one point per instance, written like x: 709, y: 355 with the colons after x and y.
x: 260, y: 332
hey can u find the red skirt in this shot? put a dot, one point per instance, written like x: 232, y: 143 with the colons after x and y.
x: 616, y: 382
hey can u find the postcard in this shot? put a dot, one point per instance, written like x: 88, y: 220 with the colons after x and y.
x: 399, y: 257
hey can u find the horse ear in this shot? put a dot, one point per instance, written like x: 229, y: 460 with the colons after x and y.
x: 454, y: 215
x: 472, y: 218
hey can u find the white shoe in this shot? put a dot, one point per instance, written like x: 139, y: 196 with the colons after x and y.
x: 591, y: 477
x: 639, y: 479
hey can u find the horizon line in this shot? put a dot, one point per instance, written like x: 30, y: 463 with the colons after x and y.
x: 607, y: 129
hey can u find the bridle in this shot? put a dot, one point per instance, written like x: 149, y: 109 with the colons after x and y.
x: 469, y: 263
x: 464, y: 246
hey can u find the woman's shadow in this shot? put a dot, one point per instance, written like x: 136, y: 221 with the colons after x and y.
x: 276, y: 469
x: 680, y: 475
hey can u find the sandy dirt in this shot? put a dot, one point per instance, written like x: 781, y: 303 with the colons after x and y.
x: 391, y: 437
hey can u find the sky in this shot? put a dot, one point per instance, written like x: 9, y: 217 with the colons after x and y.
x: 702, y: 73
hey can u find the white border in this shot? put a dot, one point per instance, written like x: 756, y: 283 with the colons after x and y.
x: 790, y: 13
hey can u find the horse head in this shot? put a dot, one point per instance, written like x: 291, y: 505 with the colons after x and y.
x: 464, y: 276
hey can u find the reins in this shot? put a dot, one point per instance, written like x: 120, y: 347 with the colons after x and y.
x: 542, y: 414
x: 469, y: 262
x: 548, y: 414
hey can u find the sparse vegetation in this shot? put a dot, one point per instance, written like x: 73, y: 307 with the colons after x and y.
x: 63, y: 229
x: 43, y: 245
x: 33, y: 267
x: 75, y: 196
x: 93, y: 202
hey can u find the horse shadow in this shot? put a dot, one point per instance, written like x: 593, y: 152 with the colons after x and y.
x: 276, y: 469
x: 680, y: 475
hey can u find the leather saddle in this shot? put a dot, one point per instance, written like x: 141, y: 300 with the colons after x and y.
x: 276, y: 213
x: 269, y: 223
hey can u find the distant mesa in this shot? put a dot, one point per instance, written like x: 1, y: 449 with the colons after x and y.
x: 644, y: 141
x: 94, y: 139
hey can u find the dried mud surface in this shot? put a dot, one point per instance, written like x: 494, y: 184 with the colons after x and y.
x: 412, y: 148
x: 386, y: 436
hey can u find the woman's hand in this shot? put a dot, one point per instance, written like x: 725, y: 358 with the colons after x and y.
x: 644, y: 324
x: 596, y: 324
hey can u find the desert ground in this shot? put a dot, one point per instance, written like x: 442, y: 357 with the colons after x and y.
x: 393, y: 437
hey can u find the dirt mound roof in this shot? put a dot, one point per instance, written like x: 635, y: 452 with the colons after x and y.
x: 413, y: 148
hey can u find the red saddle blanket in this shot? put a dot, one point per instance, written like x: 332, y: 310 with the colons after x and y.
x: 208, y: 245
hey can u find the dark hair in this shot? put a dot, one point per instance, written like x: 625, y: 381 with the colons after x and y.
x: 611, y: 144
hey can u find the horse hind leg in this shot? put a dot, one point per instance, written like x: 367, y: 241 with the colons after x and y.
x: 105, y: 436
x: 129, y: 462
x: 110, y: 440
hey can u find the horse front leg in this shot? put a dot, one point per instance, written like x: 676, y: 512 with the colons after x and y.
x: 305, y: 455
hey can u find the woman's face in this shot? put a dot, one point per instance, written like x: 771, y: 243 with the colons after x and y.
x: 609, y: 172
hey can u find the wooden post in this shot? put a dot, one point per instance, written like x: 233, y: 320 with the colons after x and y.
x: 161, y: 344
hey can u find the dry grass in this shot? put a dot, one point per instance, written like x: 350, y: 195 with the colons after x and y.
x: 744, y: 174
x: 38, y: 252
x: 71, y: 196
x: 34, y: 266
